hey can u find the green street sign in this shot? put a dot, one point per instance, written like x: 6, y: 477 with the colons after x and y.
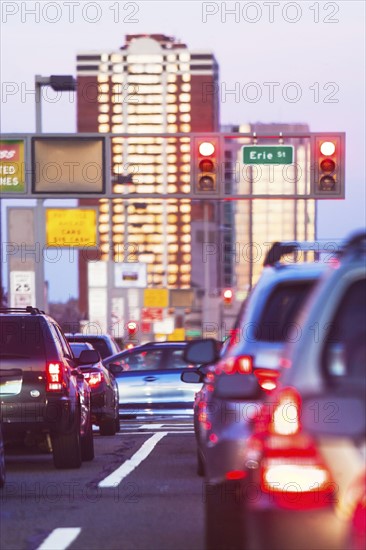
x: 268, y: 154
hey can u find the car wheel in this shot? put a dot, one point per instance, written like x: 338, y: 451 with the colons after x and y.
x: 224, y: 516
x: 66, y: 448
x: 87, y: 443
x: 107, y: 426
x: 118, y: 425
x: 2, y: 468
x: 200, y: 464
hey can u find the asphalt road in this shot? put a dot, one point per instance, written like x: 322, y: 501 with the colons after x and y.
x: 140, y: 492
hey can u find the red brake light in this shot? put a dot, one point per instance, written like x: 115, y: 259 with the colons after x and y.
x: 292, y: 468
x: 242, y: 364
x: 54, y: 377
x: 267, y: 379
x: 94, y: 378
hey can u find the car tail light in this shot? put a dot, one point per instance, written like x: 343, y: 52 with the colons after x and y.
x: 292, y: 469
x: 94, y: 378
x: 267, y: 379
x: 54, y: 377
x: 242, y: 364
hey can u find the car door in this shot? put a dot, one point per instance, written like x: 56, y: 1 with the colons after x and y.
x: 170, y: 389
x: 138, y: 383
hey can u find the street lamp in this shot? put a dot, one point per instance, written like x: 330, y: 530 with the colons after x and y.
x: 59, y: 83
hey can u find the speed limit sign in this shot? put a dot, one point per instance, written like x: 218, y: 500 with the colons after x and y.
x: 22, y: 288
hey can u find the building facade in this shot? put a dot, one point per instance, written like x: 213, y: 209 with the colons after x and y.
x: 153, y: 84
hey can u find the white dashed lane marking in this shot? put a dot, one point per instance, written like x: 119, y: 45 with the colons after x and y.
x: 127, y: 467
x: 60, y: 538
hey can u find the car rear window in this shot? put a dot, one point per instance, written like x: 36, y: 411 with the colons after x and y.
x: 22, y: 337
x: 280, y: 311
x: 99, y: 344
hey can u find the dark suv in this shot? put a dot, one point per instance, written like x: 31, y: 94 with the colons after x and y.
x: 44, y: 396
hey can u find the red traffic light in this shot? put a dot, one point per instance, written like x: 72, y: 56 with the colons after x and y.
x: 206, y: 148
x: 131, y: 328
x: 328, y: 158
x: 227, y: 295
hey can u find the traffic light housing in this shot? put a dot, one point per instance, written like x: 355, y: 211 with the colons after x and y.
x: 328, y: 155
x: 205, y: 165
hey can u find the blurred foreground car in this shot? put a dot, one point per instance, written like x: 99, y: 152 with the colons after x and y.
x: 104, y: 343
x: 301, y: 481
x: 223, y: 410
x: 103, y: 385
x: 150, y: 382
x: 44, y: 397
x: 2, y: 460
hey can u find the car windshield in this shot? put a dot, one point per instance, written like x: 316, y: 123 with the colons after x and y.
x: 99, y: 344
x: 279, y: 314
x: 21, y: 336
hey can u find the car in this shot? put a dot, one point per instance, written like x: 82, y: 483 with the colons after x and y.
x: 150, y: 383
x: 44, y: 397
x: 301, y: 482
x: 104, y: 343
x: 222, y: 415
x: 2, y: 460
x: 104, y: 390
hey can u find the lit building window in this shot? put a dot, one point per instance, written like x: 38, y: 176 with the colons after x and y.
x: 103, y: 128
x: 184, y: 108
x: 171, y: 77
x: 185, y: 127
x: 118, y: 128
x: 185, y: 56
x: 116, y: 58
x: 117, y: 77
x: 117, y: 119
x: 172, y: 88
x: 185, y: 118
x: 103, y: 78
x: 103, y: 118
x: 172, y: 128
x: 186, y: 77
x: 186, y: 87
x: 103, y: 98
x: 184, y: 98
x: 184, y: 67
x: 172, y: 68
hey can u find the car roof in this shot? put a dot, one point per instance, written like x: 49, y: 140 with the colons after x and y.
x: 149, y: 345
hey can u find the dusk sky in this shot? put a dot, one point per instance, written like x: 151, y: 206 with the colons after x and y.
x: 311, y: 55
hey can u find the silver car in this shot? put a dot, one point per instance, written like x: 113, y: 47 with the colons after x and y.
x: 150, y: 382
x: 222, y: 413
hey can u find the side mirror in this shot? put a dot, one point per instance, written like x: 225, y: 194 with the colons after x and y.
x: 192, y: 376
x: 334, y: 414
x: 88, y: 357
x: 202, y: 351
x: 115, y: 368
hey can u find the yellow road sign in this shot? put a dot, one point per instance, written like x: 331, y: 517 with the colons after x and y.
x: 71, y: 227
x: 156, y: 297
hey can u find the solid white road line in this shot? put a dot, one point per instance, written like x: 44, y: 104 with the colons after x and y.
x: 148, y: 433
x: 60, y: 538
x: 127, y: 467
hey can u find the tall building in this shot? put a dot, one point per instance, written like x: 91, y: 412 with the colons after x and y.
x: 152, y: 84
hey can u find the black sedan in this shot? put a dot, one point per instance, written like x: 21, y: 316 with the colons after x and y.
x: 104, y: 390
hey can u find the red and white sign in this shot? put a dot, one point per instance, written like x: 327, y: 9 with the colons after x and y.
x: 152, y: 314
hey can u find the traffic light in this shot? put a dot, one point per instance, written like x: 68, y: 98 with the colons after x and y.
x: 131, y: 328
x: 205, y: 165
x: 227, y: 296
x: 329, y: 165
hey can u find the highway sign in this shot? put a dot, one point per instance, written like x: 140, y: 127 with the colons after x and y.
x: 268, y: 154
